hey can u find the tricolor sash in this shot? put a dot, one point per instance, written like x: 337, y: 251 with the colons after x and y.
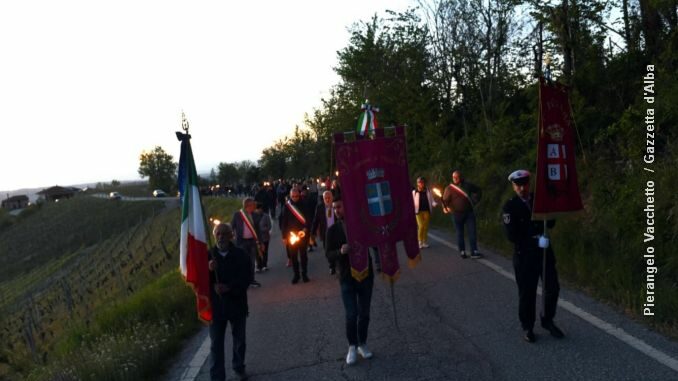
x: 249, y: 224
x: 296, y: 213
x: 463, y: 193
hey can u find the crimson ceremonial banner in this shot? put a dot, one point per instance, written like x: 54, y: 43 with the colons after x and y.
x: 378, y: 205
x: 556, y: 188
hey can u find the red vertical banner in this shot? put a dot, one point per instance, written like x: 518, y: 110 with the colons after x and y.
x: 556, y: 188
x: 378, y: 205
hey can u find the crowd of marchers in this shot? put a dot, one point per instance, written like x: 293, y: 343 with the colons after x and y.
x: 312, y: 210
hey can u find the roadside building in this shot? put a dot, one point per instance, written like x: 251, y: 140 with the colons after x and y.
x: 15, y: 202
x: 57, y: 193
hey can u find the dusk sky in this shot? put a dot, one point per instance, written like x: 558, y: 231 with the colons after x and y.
x: 86, y: 86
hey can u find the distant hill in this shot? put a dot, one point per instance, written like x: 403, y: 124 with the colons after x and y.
x: 32, y: 193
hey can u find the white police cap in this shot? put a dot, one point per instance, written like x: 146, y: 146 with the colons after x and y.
x: 519, y: 174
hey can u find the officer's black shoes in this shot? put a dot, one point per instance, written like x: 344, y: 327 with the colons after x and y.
x: 476, y: 255
x: 295, y: 280
x: 305, y: 278
x: 555, y: 331
x: 463, y: 255
x: 529, y: 336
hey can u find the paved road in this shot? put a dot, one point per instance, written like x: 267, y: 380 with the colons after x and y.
x: 458, y: 321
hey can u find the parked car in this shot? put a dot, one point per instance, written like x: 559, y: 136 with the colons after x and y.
x: 159, y: 193
x: 114, y: 196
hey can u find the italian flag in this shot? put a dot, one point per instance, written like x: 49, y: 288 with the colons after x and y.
x: 367, y: 121
x: 193, y: 243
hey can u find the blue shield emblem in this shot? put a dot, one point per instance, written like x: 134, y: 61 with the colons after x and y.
x: 379, y: 199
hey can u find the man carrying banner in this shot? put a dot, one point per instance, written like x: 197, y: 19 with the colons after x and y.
x: 461, y: 198
x: 356, y: 295
x: 295, y: 227
x: 229, y: 268
x: 528, y: 243
x: 245, y: 224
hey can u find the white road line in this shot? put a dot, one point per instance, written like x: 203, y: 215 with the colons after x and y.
x: 197, y: 361
x: 606, y: 327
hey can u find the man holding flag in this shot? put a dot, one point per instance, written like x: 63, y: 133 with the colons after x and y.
x: 229, y: 278
x: 528, y: 239
x: 219, y: 278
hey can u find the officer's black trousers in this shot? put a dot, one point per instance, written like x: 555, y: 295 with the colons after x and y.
x: 528, y: 268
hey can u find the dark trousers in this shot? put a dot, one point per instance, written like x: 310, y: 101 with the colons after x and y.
x: 217, y: 336
x: 527, y: 265
x: 469, y: 219
x: 296, y: 252
x: 357, y: 297
x: 262, y: 261
x: 250, y: 247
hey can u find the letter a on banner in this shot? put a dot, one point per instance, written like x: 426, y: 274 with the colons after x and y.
x: 556, y: 190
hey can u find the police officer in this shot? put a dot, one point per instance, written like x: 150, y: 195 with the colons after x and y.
x: 529, y: 243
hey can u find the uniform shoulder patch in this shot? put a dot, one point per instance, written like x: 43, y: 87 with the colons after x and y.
x: 507, y: 218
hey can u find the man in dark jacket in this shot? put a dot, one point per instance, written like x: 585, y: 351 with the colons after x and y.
x: 461, y: 198
x: 229, y: 278
x: 294, y: 222
x: 245, y: 224
x: 528, y: 246
x: 356, y: 295
x: 323, y: 219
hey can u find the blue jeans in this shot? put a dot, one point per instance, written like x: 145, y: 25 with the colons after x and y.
x: 461, y: 219
x: 357, y: 297
x: 217, y: 335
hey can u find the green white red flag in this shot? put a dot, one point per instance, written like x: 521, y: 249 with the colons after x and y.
x: 367, y: 122
x: 193, y: 244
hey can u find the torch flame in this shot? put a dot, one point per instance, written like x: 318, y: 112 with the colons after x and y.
x: 436, y: 191
x: 214, y: 221
x: 294, y: 238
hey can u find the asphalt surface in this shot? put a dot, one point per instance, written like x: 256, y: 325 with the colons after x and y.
x: 457, y: 320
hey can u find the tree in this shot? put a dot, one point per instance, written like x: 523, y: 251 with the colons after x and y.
x: 160, y: 169
x: 227, y: 173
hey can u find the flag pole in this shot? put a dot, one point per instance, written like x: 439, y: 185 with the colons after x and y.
x: 543, y: 275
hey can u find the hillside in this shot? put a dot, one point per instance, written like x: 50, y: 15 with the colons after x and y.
x: 88, y: 282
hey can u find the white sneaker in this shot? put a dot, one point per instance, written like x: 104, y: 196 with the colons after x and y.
x: 420, y: 244
x: 352, y: 356
x: 425, y: 245
x: 364, y: 352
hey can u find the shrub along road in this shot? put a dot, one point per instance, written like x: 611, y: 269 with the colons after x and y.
x: 458, y: 321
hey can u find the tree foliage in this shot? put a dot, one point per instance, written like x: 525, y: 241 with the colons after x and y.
x: 460, y: 74
x: 159, y: 167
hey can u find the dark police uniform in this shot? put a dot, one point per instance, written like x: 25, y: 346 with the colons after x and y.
x: 527, y: 261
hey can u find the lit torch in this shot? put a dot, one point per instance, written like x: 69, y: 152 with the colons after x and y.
x: 294, y: 238
x: 215, y: 221
x: 439, y: 194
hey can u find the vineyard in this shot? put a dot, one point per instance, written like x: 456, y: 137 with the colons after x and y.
x: 88, y: 274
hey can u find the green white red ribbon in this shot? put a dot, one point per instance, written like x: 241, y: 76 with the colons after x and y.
x: 367, y: 122
x: 463, y: 193
x: 246, y: 219
x: 299, y: 216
